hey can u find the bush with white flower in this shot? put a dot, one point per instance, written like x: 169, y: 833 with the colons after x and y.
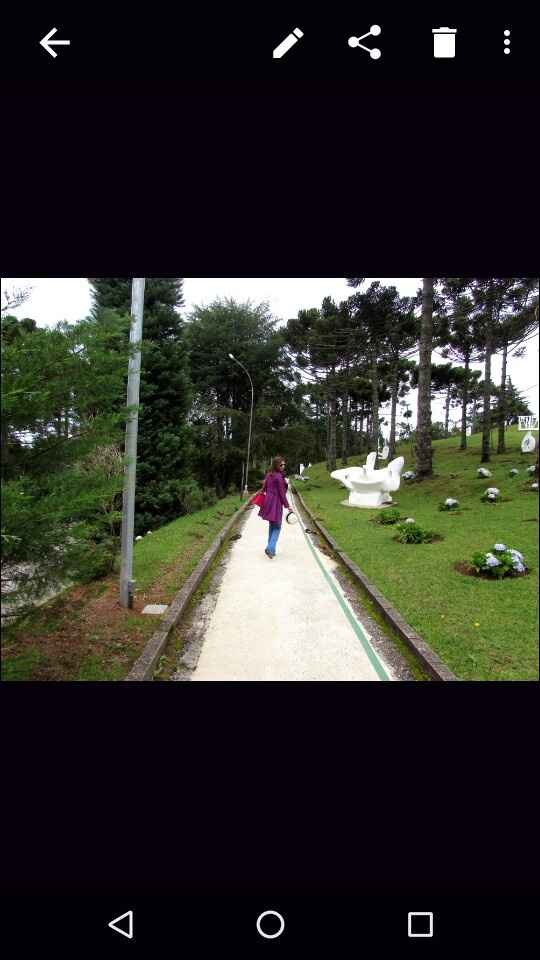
x: 501, y: 561
x: 449, y: 504
x: 491, y: 495
x: 513, y: 472
x: 532, y: 468
x: 534, y: 486
x: 408, y: 475
x: 483, y: 472
x: 409, y: 520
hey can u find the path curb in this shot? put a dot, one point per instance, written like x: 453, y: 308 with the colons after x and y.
x: 144, y: 666
x: 432, y: 664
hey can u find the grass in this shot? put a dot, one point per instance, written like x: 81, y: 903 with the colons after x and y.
x: 84, y: 634
x: 483, y: 630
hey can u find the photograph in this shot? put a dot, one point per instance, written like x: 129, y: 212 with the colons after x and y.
x: 269, y: 479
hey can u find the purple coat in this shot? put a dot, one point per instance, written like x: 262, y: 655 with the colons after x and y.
x: 275, y: 487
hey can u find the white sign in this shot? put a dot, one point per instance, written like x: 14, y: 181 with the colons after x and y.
x: 528, y: 423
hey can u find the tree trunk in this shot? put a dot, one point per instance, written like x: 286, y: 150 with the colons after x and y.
x: 327, y: 451
x: 345, y: 427
x: 423, y: 448
x: 332, y: 436
x: 486, y: 426
x: 6, y: 453
x: 465, y: 400
x: 392, y: 443
x: 501, y: 448
x: 473, y: 416
x: 375, y: 402
x: 447, y: 411
x: 361, y: 434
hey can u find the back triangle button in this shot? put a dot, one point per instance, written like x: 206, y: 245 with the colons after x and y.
x: 128, y: 918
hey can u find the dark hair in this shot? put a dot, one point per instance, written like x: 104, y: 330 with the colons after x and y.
x: 276, y: 463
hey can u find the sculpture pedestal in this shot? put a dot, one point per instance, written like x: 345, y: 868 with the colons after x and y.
x: 368, y: 501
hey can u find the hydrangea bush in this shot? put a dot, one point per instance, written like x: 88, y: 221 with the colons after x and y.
x: 532, y: 468
x: 513, y: 472
x: 408, y: 475
x: 483, y: 472
x: 387, y: 516
x: 411, y: 532
x: 491, y: 495
x: 449, y: 504
x: 501, y: 561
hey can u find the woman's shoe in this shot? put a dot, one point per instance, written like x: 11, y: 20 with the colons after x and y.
x: 268, y: 554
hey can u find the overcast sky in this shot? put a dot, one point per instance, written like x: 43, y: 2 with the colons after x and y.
x: 68, y: 298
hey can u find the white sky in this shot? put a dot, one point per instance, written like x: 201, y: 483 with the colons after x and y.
x: 68, y: 298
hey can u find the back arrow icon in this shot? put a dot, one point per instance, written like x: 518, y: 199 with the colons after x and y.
x: 114, y: 924
x: 47, y: 43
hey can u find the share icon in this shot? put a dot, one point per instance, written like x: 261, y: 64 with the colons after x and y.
x: 373, y: 31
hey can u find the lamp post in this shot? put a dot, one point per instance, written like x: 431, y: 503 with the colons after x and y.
x: 128, y: 503
x: 250, y: 422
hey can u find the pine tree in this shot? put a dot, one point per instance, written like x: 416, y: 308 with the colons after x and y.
x: 423, y: 448
x: 165, y: 487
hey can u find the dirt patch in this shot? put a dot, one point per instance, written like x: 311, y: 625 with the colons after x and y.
x: 468, y: 571
x: 87, y: 623
x: 530, y: 520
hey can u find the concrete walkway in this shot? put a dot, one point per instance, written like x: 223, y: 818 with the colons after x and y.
x: 286, y: 618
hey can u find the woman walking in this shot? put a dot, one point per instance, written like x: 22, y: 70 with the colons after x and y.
x: 275, y: 487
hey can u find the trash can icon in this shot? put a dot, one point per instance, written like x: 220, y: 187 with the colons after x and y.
x: 444, y: 42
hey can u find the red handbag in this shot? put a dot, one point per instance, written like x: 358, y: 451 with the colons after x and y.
x: 259, y: 499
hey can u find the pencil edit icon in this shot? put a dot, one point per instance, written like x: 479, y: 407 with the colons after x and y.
x: 287, y: 43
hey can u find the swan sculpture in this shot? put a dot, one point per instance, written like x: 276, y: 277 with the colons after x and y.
x: 369, y: 487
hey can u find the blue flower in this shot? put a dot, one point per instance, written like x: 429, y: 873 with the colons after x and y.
x: 499, y: 547
x: 515, y: 553
x: 518, y: 566
x: 492, y: 561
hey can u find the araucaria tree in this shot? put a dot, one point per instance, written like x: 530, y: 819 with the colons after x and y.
x: 423, y: 448
x: 165, y: 487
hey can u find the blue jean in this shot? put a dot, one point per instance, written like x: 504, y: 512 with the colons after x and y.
x: 273, y: 534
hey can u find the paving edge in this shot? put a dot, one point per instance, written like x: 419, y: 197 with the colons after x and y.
x: 144, y: 666
x: 432, y: 664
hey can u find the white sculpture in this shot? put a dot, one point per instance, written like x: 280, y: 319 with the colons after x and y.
x: 383, y: 455
x: 528, y: 444
x: 369, y: 487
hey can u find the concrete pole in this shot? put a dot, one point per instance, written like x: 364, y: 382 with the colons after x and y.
x: 246, y: 492
x: 128, y: 502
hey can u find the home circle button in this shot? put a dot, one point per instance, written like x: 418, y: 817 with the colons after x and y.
x: 270, y: 924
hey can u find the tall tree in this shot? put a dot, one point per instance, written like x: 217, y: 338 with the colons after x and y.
x: 164, y: 448
x: 423, y: 447
x: 460, y: 336
x: 515, y: 327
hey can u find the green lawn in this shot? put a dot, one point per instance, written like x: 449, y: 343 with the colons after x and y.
x: 483, y: 630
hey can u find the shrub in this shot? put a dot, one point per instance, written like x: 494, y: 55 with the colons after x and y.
x: 532, y: 468
x: 500, y: 562
x: 408, y: 475
x: 387, y: 516
x: 413, y: 533
x: 210, y: 496
x: 449, y: 504
x: 491, y: 495
x: 483, y: 472
x: 513, y: 472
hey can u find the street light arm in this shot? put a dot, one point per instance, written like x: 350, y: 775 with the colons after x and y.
x: 250, y: 417
x: 243, y: 368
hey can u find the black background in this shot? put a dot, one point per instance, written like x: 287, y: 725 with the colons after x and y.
x: 264, y: 795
